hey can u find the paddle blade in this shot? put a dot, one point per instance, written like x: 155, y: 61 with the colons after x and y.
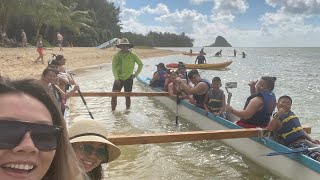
x: 287, y: 152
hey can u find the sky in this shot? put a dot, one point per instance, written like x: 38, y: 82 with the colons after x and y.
x: 243, y: 23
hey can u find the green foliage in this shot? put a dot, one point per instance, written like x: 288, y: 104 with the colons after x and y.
x: 155, y: 39
x: 83, y: 22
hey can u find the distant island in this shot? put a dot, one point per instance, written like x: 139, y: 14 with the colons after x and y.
x: 220, y: 42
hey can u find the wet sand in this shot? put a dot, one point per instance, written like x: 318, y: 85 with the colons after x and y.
x: 17, y: 63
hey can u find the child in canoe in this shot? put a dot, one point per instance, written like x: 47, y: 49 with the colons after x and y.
x: 288, y: 128
x: 215, y: 100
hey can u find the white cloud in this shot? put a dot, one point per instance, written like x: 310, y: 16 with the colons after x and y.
x: 224, y: 10
x: 230, y: 6
x: 127, y: 14
x: 159, y: 9
x: 197, y: 2
x: 306, y: 7
x: 185, y: 20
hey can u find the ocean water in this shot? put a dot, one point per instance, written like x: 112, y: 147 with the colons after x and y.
x: 297, y: 71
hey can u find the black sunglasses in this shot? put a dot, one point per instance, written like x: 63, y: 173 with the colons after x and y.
x: 100, y: 153
x: 44, y: 136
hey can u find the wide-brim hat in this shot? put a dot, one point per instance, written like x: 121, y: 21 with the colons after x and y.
x: 124, y: 42
x: 93, y: 131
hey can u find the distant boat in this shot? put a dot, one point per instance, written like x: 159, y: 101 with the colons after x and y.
x: 193, y: 54
x: 202, y: 66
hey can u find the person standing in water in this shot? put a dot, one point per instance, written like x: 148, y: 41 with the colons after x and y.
x: 201, y: 58
x: 122, y: 68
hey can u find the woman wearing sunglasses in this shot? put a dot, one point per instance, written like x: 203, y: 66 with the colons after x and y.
x: 89, y: 140
x: 34, y: 142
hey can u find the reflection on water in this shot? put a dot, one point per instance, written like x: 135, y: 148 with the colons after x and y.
x: 203, y: 159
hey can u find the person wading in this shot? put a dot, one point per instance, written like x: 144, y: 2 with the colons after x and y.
x: 122, y: 68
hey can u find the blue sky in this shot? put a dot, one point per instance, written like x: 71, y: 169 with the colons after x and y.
x: 243, y: 23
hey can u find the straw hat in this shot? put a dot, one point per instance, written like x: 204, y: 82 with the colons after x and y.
x: 93, y: 131
x: 124, y: 42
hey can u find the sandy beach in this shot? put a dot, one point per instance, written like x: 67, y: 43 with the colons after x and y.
x: 18, y: 63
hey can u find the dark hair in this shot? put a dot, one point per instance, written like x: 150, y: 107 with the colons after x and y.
x: 59, y: 57
x: 96, y: 173
x: 47, y: 70
x: 285, y: 97
x: 270, y: 81
x: 216, y: 79
x: 193, y: 72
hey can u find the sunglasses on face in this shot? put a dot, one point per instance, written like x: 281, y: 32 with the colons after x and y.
x: 44, y: 136
x: 100, y: 153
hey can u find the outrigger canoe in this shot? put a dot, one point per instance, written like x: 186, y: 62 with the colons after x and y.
x: 193, y: 54
x: 290, y: 166
x: 212, y: 66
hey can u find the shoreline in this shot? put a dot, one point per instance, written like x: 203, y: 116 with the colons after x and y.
x: 17, y: 63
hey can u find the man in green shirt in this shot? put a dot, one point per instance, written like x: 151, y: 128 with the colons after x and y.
x: 122, y: 68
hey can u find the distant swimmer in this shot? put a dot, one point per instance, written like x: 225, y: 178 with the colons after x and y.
x: 244, y: 55
x: 234, y: 53
x: 219, y: 53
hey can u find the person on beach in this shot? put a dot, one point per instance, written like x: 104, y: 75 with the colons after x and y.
x: 215, y: 99
x: 288, y: 128
x: 123, y: 64
x: 200, y: 89
x: 90, y: 142
x: 23, y: 38
x: 34, y: 142
x: 259, y: 105
x: 39, y: 49
x: 59, y: 40
x: 159, y: 78
x: 201, y: 59
x: 235, y: 53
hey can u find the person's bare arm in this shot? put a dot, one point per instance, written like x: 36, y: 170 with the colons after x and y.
x: 254, y: 106
x: 223, y: 103
x: 205, y: 102
x: 274, y: 124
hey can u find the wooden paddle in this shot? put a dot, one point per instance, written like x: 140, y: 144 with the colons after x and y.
x: 107, y: 94
x: 183, y: 136
x: 186, y: 136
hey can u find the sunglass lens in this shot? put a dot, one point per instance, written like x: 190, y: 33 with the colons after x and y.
x: 87, y: 149
x: 10, y: 136
x: 102, y: 154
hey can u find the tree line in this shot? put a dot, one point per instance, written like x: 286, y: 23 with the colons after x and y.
x: 82, y: 22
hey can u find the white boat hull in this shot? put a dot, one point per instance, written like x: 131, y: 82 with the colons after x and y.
x: 293, y: 166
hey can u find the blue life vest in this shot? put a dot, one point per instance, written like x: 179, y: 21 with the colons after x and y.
x: 200, y: 98
x: 160, y: 82
x: 262, y: 117
x: 215, y: 101
x: 291, y: 129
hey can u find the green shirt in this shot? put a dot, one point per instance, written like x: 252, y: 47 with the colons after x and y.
x: 123, y: 65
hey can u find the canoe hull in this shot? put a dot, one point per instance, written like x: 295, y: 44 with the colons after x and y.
x: 294, y: 166
x: 213, y: 66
